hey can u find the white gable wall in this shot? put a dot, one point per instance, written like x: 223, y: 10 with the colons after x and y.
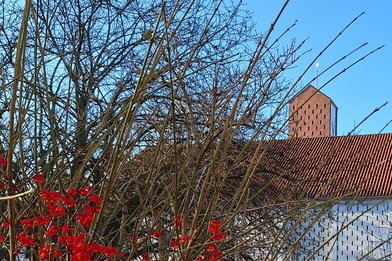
x: 350, y: 230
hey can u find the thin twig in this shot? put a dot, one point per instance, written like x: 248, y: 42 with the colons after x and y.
x: 17, y: 195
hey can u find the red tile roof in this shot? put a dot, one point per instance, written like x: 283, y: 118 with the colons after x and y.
x: 329, y: 166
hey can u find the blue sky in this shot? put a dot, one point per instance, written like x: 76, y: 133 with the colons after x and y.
x: 365, y: 86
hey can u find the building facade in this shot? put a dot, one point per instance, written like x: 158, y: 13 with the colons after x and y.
x: 349, y: 181
x: 312, y: 114
x: 357, y: 229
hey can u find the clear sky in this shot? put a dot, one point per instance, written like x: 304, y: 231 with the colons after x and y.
x: 365, y: 86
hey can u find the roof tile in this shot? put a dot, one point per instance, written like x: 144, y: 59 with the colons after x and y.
x: 330, y: 166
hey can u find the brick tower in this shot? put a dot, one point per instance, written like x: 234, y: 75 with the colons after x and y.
x: 312, y: 114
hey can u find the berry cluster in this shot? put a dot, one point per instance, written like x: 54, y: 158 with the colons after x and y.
x: 59, y: 230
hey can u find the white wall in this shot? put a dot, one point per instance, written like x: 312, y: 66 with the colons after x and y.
x: 349, y: 231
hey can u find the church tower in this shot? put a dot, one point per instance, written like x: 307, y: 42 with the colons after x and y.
x: 312, y: 114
